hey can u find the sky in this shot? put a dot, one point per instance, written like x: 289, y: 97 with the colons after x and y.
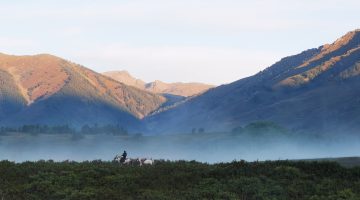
x: 210, y: 41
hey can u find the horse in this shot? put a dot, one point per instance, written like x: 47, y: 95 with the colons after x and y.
x: 145, y: 161
x: 117, y: 158
x: 120, y: 159
x: 133, y: 162
x: 127, y: 161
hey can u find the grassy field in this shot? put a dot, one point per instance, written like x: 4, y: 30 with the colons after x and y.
x: 180, y: 180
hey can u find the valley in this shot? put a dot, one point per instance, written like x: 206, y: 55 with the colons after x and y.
x: 163, y: 100
x: 250, y: 144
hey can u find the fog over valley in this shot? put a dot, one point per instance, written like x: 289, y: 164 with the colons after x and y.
x: 204, y: 147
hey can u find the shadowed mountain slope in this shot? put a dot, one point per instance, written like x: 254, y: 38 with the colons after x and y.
x: 316, y: 90
x: 45, y: 89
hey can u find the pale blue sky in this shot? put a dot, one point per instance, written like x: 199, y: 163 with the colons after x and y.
x: 211, y: 41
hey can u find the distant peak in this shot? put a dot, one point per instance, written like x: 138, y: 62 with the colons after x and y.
x: 45, y: 55
x: 42, y: 55
x: 345, y: 38
x: 6, y: 55
x: 123, y: 72
x: 351, y: 38
x: 158, y: 81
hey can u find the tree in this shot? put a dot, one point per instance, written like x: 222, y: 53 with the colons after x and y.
x: 193, y: 130
x: 237, y: 129
x: 264, y: 127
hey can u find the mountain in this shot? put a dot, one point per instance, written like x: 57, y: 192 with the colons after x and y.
x: 44, y: 89
x: 126, y: 78
x: 317, y: 90
x: 178, y: 89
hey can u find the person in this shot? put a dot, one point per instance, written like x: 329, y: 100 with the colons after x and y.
x: 124, y: 155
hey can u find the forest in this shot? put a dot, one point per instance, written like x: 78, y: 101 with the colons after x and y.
x: 179, y: 180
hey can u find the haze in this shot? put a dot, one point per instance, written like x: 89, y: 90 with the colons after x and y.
x: 205, y: 41
x: 209, y: 147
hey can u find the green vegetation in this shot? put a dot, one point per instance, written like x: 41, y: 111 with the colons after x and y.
x: 179, y: 180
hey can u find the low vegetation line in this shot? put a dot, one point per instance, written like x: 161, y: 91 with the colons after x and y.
x: 179, y: 180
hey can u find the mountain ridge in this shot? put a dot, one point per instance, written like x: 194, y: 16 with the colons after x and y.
x: 296, y: 92
x: 317, y: 90
x: 48, y: 88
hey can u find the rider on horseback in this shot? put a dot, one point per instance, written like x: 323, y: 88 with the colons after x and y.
x: 124, y: 154
x: 123, y: 157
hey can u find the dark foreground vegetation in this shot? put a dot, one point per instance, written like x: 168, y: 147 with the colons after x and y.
x: 178, y: 180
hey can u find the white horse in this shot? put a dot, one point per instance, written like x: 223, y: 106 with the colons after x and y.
x: 127, y: 161
x: 117, y: 158
x: 145, y: 161
x: 131, y: 162
x: 120, y: 159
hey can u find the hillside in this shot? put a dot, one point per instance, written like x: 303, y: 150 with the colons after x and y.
x: 178, y: 89
x: 317, y: 90
x: 44, y: 89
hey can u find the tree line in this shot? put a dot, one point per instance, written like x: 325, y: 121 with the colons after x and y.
x: 66, y: 129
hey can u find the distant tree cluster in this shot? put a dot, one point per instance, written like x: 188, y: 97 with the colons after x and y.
x: 66, y: 129
x: 7, y: 129
x: 260, y: 128
x: 36, y: 129
x: 198, y: 130
x: 254, y: 128
x: 105, y: 129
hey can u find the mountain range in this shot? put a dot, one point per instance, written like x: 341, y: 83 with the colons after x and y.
x: 178, y: 89
x: 317, y: 90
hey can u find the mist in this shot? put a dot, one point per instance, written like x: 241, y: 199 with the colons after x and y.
x: 203, y: 147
